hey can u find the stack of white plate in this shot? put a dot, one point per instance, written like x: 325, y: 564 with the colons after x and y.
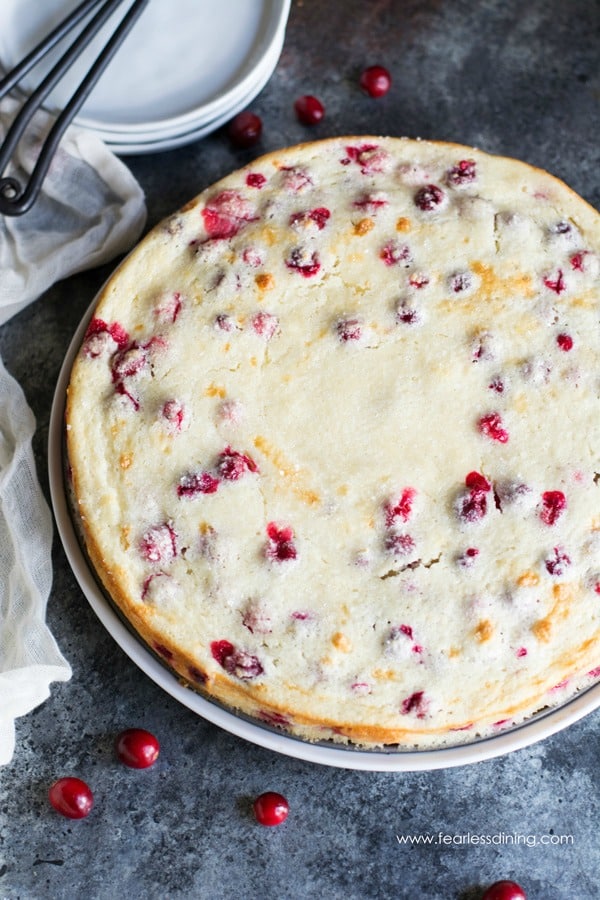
x: 186, y: 68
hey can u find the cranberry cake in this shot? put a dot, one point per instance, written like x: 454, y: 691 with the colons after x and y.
x: 333, y: 437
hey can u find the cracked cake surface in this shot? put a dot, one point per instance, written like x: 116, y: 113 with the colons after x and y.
x: 333, y: 439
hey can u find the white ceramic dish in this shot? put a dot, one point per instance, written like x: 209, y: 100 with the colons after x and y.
x: 262, y: 74
x: 170, y: 142
x: 140, y: 143
x: 183, y: 60
x: 330, y: 754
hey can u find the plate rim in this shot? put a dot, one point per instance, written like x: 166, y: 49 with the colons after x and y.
x: 229, y: 97
x: 171, y: 140
x: 271, y: 24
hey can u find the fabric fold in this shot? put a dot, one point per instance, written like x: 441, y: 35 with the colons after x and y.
x: 29, y: 656
x: 91, y: 209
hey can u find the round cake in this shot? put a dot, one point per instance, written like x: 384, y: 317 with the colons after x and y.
x: 333, y: 441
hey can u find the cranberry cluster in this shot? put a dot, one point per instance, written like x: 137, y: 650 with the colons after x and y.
x: 73, y: 798
x: 245, y: 129
x: 139, y: 749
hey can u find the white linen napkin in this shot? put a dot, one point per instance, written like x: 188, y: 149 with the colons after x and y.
x: 90, y: 210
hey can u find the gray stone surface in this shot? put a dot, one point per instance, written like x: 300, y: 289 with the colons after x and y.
x: 515, y: 78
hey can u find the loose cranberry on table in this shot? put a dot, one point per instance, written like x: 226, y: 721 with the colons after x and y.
x: 505, y: 890
x: 375, y: 81
x: 245, y: 129
x: 271, y: 808
x: 309, y: 109
x: 71, y: 797
x: 137, y: 748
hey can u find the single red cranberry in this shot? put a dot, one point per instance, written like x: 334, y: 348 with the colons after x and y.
x: 349, y: 330
x: 418, y: 280
x: 198, y: 675
x: 505, y: 890
x: 429, y: 197
x: 265, y: 325
x: 472, y: 506
x: 129, y: 362
x: 399, y: 544
x: 159, y: 543
x: 556, y: 282
x: 164, y: 651
x: 100, y: 335
x: 467, y: 559
x: 578, y: 261
x: 554, y: 504
x: 371, y: 202
x: 460, y: 281
x: 137, y: 748
x: 226, y: 214
x: 492, y: 427
x: 221, y: 651
x: 375, y: 81
x: 475, y: 481
x: 393, y: 253
x: 271, y: 808
x: 175, y: 414
x: 565, y: 342
x: 237, y: 662
x: 309, y: 109
x: 245, y: 129
x: 232, y: 464
x: 561, y: 227
x: 71, y: 797
x: 416, y: 704
x: 464, y: 172
x: 194, y: 483
x: 304, y: 262
x: 168, y: 308
x: 407, y: 314
x: 281, y: 546
x: 255, y: 180
x: 318, y: 216
x: 401, y: 509
x: 556, y: 565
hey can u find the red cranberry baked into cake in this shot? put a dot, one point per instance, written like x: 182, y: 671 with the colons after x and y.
x: 333, y: 438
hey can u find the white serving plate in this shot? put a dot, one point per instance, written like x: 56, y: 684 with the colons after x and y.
x: 326, y: 753
x: 261, y: 75
x: 153, y: 142
x: 183, y: 61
